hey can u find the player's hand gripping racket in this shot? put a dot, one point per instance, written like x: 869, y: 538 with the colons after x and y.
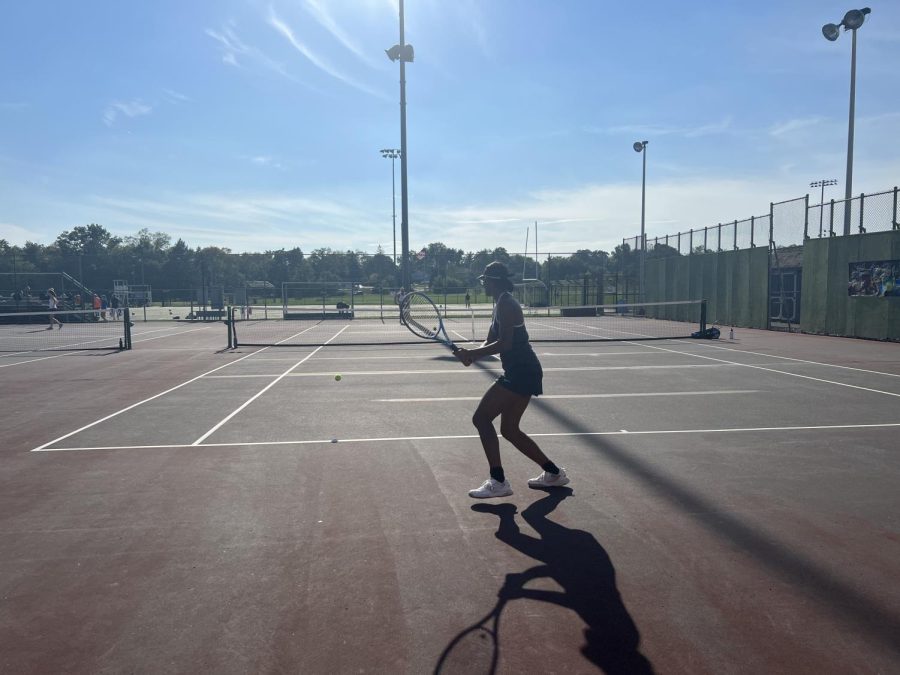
x: 422, y: 317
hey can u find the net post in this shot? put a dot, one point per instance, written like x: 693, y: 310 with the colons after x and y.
x: 862, y: 201
x: 894, y: 224
x: 703, y: 315
x: 806, y: 217
x: 127, y: 319
x: 229, y: 321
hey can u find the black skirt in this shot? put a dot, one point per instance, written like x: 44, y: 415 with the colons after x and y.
x: 525, y: 380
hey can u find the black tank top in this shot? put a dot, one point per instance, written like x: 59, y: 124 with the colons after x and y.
x: 520, y: 353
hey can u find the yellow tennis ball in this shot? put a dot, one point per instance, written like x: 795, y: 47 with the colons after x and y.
x: 337, y: 378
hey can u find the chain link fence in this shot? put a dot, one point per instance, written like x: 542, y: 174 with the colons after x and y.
x: 788, y: 223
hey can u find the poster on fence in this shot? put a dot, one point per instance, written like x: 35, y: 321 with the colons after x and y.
x: 874, y: 278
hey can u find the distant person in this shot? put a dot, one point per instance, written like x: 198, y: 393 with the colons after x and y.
x: 115, y: 304
x: 468, y: 299
x: 510, y: 395
x: 77, y: 300
x: 96, y: 305
x: 52, y: 305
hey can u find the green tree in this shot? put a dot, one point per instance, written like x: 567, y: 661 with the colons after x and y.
x: 90, y: 239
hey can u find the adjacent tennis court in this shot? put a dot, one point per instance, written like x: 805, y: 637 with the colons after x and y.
x: 732, y: 508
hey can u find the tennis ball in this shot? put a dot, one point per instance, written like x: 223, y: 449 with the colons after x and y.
x: 337, y: 378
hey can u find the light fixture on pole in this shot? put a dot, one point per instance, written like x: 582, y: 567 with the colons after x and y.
x: 392, y: 154
x: 641, y: 146
x: 822, y: 183
x: 852, y: 20
x: 404, y: 54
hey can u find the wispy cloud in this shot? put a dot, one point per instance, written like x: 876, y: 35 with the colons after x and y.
x: 267, y: 161
x: 235, y: 50
x: 16, y: 234
x: 281, y: 27
x: 720, y: 127
x: 175, y: 97
x: 877, y: 119
x: 324, y: 18
x: 134, y: 108
x: 795, y: 124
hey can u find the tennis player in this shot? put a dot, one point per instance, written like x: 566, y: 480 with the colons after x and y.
x: 510, y: 395
x: 52, y: 305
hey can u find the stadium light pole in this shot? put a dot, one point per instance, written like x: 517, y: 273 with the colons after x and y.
x: 403, y: 53
x: 822, y: 183
x: 641, y: 147
x: 852, y: 21
x: 392, y: 154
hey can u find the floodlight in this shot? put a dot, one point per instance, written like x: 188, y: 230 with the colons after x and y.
x: 639, y: 146
x: 398, y: 53
x: 851, y: 22
x: 854, y: 18
x: 393, y: 53
x: 831, y: 31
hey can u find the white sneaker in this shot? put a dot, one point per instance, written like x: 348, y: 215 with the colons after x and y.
x: 491, y: 488
x: 547, y: 479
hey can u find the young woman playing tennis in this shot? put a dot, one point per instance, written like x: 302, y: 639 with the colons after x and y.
x: 510, y: 395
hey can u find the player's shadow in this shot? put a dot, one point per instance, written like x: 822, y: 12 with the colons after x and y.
x: 576, y: 561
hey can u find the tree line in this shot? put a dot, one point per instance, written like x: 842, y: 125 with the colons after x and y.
x: 95, y: 257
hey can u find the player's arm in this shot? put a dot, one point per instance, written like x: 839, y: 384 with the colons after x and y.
x: 509, y: 314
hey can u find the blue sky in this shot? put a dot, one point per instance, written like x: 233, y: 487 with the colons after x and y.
x: 256, y: 125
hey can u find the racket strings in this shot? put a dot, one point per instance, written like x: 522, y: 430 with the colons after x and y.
x: 421, y: 316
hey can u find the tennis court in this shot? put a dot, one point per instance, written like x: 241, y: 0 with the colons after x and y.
x: 183, y: 507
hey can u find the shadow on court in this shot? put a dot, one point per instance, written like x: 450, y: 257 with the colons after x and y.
x: 577, y: 562
x: 878, y: 621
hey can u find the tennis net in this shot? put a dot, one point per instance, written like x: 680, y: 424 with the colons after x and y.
x: 68, y: 330
x: 381, y: 325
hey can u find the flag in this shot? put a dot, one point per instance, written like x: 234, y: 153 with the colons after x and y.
x: 421, y: 254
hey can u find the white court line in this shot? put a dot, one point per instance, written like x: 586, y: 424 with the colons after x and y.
x: 460, y: 371
x: 265, y: 389
x: 790, y: 358
x: 158, y: 337
x: 395, y: 439
x: 133, y: 341
x: 598, y: 354
x: 155, y: 396
x: 566, y: 396
x: 594, y: 334
x: 781, y: 372
x: 40, y: 358
x: 146, y: 400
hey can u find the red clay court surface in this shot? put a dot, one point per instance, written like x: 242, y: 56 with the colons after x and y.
x: 182, y: 508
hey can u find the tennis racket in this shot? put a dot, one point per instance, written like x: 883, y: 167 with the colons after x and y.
x: 422, y: 317
x: 475, y: 649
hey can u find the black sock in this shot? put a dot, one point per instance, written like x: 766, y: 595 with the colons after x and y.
x: 550, y: 467
x: 497, y: 474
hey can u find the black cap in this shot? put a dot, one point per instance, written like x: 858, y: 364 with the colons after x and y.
x: 496, y: 270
